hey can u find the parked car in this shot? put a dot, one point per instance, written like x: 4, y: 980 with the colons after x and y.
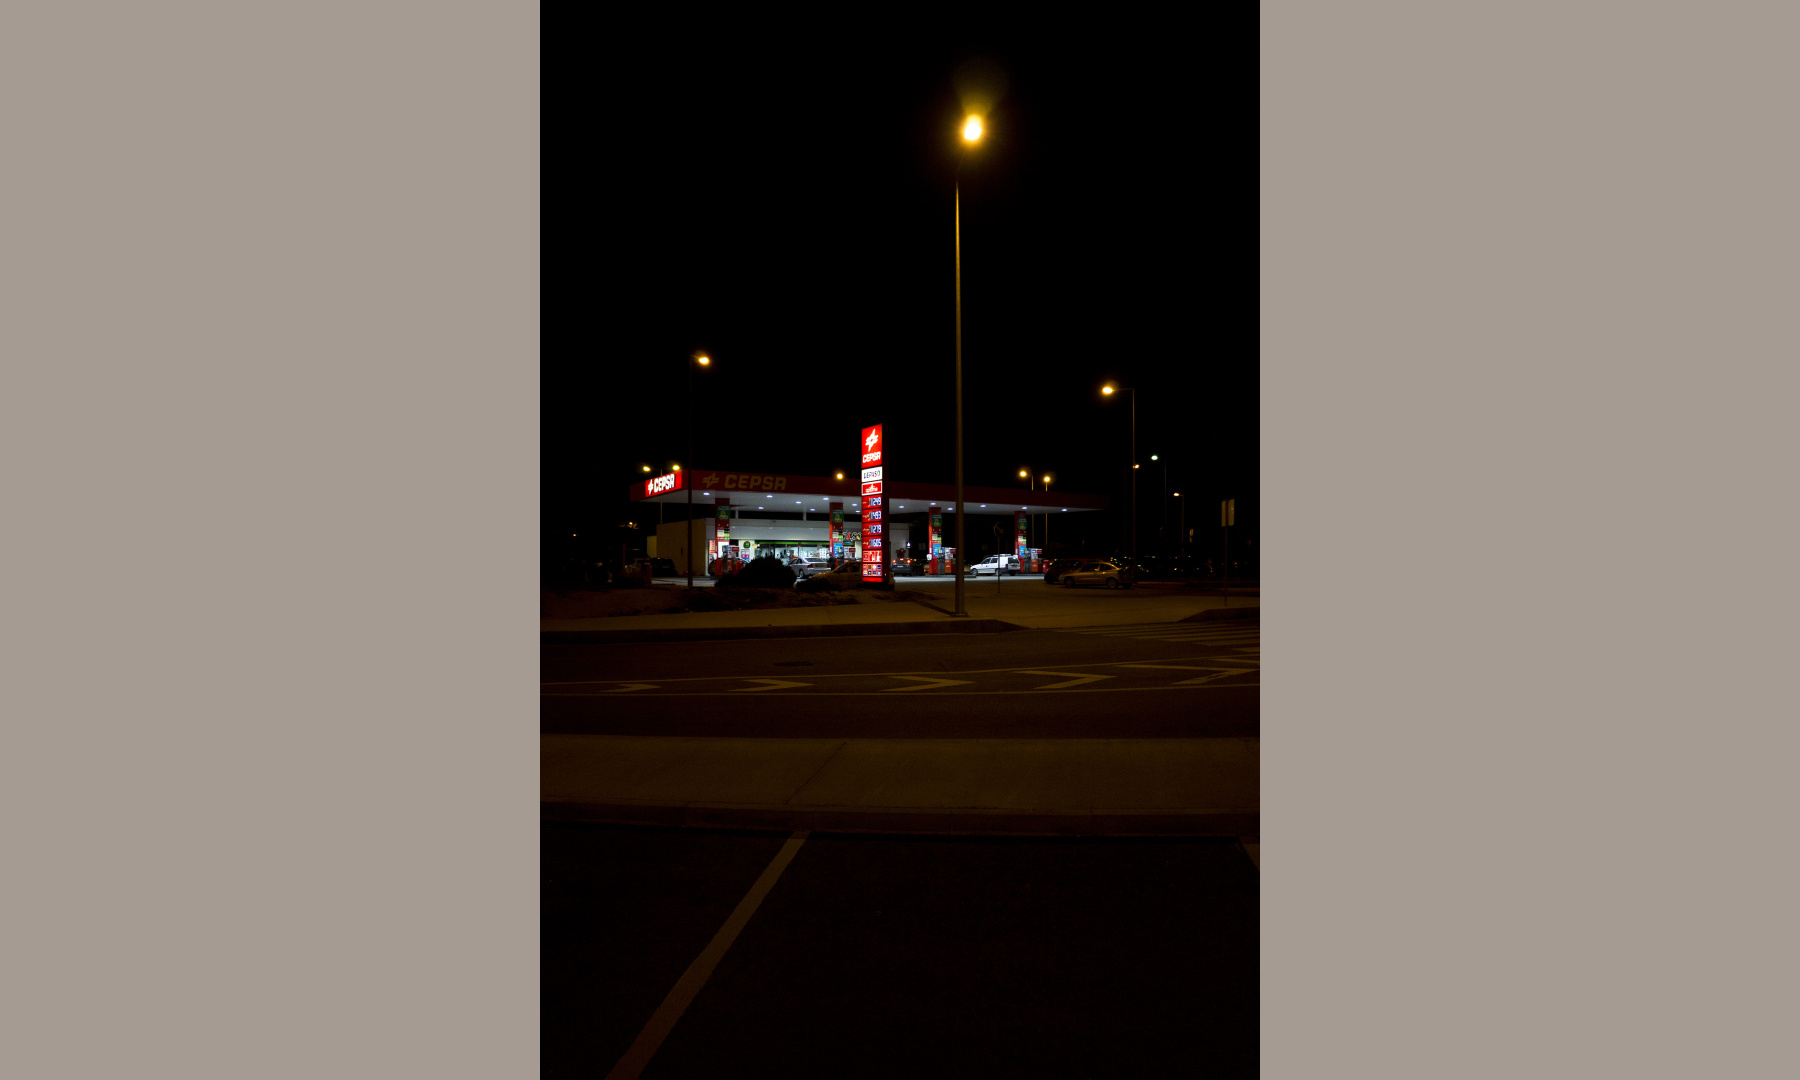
x: 996, y: 564
x: 904, y: 566
x: 1054, y: 572
x: 1100, y: 573
x: 805, y: 568
x: 844, y: 577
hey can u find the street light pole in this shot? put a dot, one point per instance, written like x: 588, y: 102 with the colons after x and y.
x: 687, y: 481
x: 1028, y: 473
x: 1162, y: 527
x: 1108, y: 389
x: 971, y: 132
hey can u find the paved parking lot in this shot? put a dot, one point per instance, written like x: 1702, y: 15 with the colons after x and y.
x: 891, y: 956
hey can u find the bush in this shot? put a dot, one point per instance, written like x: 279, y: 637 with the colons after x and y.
x: 817, y: 585
x: 763, y: 572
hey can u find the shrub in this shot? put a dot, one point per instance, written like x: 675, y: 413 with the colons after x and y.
x: 817, y: 585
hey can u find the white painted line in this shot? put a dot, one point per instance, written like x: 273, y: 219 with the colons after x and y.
x: 958, y: 693
x: 1077, y: 681
x: 682, y: 994
x: 769, y: 684
x: 1222, y: 673
x: 924, y: 684
x: 1199, y: 667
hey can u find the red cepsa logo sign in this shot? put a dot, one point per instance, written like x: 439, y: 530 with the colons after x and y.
x: 659, y: 484
x: 874, y: 506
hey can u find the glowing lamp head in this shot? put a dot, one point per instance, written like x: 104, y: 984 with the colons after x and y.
x: 1107, y: 389
x: 1023, y: 474
x: 972, y: 129
x: 704, y: 359
x: 646, y: 468
x: 676, y: 468
x: 1046, y: 479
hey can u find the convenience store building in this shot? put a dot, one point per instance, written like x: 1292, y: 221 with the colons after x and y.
x: 743, y: 515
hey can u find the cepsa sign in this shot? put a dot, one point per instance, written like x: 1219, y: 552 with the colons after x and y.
x: 874, y: 508
x: 658, y: 485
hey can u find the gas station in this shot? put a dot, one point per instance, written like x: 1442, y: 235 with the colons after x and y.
x: 867, y: 517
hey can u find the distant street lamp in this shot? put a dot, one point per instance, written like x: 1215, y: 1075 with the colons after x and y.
x: 694, y: 360
x: 971, y: 133
x: 1181, y: 539
x: 1108, y: 390
x: 1162, y: 528
x: 1027, y: 473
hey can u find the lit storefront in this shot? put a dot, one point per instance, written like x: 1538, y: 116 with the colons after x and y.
x: 743, y: 515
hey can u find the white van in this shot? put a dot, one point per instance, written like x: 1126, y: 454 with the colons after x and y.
x: 996, y: 564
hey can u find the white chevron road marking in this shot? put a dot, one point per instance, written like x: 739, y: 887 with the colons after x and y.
x: 924, y: 683
x: 1077, y: 681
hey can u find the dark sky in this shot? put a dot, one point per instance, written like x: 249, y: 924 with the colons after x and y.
x: 786, y: 206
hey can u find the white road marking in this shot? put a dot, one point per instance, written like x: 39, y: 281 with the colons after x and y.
x: 1222, y: 673
x: 682, y: 994
x: 1077, y: 681
x: 768, y: 684
x: 924, y: 683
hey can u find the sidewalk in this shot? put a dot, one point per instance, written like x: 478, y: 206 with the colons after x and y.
x: 1115, y: 787
x: 1028, y: 604
x: 1043, y: 787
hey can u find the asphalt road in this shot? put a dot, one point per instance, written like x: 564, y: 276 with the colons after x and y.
x: 1184, y: 680
x: 888, y: 956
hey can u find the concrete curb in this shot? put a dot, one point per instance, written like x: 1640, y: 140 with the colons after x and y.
x: 1226, y: 822
x: 732, y: 633
x: 1212, y: 614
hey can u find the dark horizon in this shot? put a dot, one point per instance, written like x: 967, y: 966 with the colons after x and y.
x: 790, y: 213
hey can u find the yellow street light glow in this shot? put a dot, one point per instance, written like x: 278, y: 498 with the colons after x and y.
x: 840, y: 476
x: 1023, y: 474
x: 972, y: 128
x: 704, y: 359
x: 1107, y: 389
x: 1046, y: 479
x: 676, y: 468
x: 646, y: 468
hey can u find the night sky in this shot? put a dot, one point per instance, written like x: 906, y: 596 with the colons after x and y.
x: 787, y: 208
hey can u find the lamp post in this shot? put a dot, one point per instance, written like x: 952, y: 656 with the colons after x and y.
x: 1027, y: 473
x: 694, y: 360
x: 1181, y: 529
x: 1108, y: 390
x: 971, y: 133
x: 1162, y: 528
x: 1046, y: 537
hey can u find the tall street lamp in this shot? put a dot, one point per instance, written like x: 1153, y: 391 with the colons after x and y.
x: 1162, y: 528
x: 1046, y: 536
x: 1181, y: 540
x: 971, y: 133
x: 694, y: 360
x: 1024, y: 473
x: 1109, y: 389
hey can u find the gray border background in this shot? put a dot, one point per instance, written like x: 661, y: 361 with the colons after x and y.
x: 268, y: 378
x: 1528, y: 333
x: 268, y: 395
